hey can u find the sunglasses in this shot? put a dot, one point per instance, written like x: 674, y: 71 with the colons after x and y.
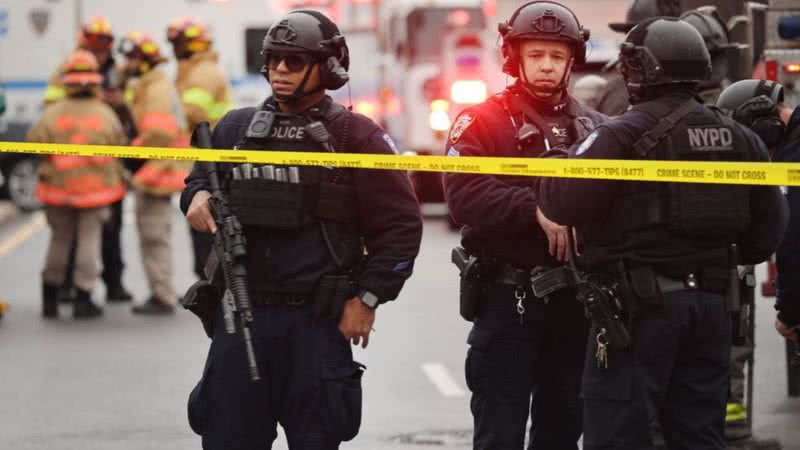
x: 295, y: 62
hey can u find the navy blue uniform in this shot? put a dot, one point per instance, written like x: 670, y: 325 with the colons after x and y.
x: 788, y: 253
x: 310, y: 383
x: 515, y: 357
x: 676, y: 369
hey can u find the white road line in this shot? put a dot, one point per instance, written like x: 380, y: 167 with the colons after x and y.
x: 441, y: 378
x: 33, y: 226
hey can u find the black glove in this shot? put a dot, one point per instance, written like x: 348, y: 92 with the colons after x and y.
x: 755, y: 108
x: 556, y: 152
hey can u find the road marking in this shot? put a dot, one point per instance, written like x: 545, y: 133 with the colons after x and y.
x: 441, y: 378
x: 33, y: 226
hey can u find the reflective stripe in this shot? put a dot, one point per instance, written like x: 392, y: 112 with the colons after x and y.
x: 166, y: 179
x: 219, y: 110
x: 162, y: 121
x: 198, y: 97
x: 54, y: 93
x: 55, y: 196
x: 204, y: 100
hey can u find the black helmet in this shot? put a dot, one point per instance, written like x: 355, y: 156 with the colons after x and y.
x: 761, y: 114
x: 543, y: 20
x: 642, y: 10
x: 310, y: 32
x: 663, y: 51
x: 711, y: 26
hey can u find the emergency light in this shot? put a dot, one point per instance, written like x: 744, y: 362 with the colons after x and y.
x: 468, y: 92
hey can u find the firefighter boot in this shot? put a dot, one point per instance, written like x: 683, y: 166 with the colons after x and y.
x: 84, y: 308
x: 50, y: 300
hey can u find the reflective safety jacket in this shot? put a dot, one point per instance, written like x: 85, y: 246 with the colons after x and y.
x: 204, y: 89
x: 79, y: 181
x: 159, y: 118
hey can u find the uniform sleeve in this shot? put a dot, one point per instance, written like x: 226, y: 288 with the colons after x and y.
x: 391, y: 224
x: 198, y: 180
x: 573, y: 201
x: 158, y: 126
x: 484, y: 201
x: 207, y: 95
x: 769, y: 214
x: 788, y: 253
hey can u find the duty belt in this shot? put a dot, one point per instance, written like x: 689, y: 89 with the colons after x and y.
x: 542, y: 280
x: 710, y: 282
x: 268, y: 298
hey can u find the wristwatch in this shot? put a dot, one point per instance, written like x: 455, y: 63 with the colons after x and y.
x: 369, y: 299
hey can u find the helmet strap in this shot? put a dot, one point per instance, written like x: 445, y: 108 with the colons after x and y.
x: 299, y: 93
x: 549, y: 92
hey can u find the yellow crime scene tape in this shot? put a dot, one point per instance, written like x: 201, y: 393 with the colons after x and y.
x: 716, y: 172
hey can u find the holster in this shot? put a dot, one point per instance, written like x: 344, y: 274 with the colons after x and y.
x: 202, y: 300
x: 640, y: 291
x: 330, y: 294
x: 472, y: 289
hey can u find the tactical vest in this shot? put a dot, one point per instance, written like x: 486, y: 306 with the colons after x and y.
x: 311, y: 202
x: 695, y: 210
x: 555, y: 132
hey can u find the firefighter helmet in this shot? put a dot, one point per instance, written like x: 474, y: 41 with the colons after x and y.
x: 81, y: 69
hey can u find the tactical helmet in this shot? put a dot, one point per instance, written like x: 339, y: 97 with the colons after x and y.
x: 312, y: 33
x: 711, y: 27
x: 137, y: 44
x: 96, y: 35
x: 190, y: 35
x: 541, y: 20
x: 81, y: 69
x: 663, y: 51
x: 761, y: 115
x: 642, y: 10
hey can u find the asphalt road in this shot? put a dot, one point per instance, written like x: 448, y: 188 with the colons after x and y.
x: 122, y: 382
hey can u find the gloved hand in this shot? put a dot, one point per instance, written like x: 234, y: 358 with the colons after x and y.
x: 756, y: 107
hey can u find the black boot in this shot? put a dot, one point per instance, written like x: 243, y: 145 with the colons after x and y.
x: 50, y: 301
x: 84, y: 307
x: 154, y: 307
x: 116, y: 293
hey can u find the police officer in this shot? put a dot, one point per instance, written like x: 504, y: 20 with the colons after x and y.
x: 715, y: 34
x: 614, y: 99
x: 520, y: 348
x: 758, y: 104
x: 77, y: 190
x: 664, y: 250
x: 318, y: 265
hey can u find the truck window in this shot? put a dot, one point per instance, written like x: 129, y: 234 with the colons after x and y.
x: 253, y: 37
x: 426, y: 26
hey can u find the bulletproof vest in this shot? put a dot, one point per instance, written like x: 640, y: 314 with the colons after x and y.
x: 696, y: 210
x: 291, y: 197
x: 558, y: 129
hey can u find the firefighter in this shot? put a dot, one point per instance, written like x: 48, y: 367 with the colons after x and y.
x: 159, y: 118
x: 77, y: 190
x: 96, y: 36
x: 205, y: 94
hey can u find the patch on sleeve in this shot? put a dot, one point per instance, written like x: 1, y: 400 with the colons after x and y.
x: 391, y: 143
x: 453, y: 152
x: 586, y: 143
x: 460, y: 126
x: 784, y: 190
